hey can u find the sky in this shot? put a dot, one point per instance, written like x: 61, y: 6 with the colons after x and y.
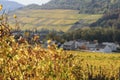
x: 27, y: 2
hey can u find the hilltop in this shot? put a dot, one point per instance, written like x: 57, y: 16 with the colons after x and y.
x: 12, y: 5
x: 31, y: 7
x: 84, y: 6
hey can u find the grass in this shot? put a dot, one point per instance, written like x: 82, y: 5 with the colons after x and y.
x: 96, y: 55
x: 51, y: 19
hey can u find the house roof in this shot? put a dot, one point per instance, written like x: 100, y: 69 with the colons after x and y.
x: 108, y: 43
x: 91, y: 45
x: 69, y: 43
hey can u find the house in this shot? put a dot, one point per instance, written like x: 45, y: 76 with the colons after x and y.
x: 82, y: 44
x: 91, y: 46
x: 103, y: 48
x: 113, y: 46
x: 106, y: 47
x: 71, y: 45
x: 79, y: 44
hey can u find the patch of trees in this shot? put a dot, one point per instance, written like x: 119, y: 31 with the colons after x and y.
x: 90, y: 34
x: 109, y: 20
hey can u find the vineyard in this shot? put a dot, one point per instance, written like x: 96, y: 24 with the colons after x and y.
x: 26, y: 62
x: 22, y: 61
x: 51, y: 19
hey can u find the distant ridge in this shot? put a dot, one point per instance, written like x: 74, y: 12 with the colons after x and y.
x: 63, y: 4
x: 31, y: 6
x: 10, y: 5
x: 84, y: 6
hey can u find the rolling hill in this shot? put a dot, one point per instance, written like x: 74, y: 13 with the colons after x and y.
x: 12, y: 5
x: 57, y: 19
x: 31, y: 7
x: 67, y: 14
x: 84, y: 6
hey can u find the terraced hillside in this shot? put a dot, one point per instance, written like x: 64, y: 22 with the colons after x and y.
x: 51, y: 19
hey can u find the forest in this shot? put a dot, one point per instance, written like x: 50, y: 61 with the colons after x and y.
x: 84, y: 6
x: 90, y: 34
x: 109, y: 19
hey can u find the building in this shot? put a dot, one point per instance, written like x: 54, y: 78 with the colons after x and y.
x: 113, y: 46
x: 71, y: 45
x: 103, y: 48
x: 91, y: 46
x: 106, y: 47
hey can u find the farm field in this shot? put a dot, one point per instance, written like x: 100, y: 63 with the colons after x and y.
x: 98, y: 59
x: 25, y: 62
x: 51, y: 19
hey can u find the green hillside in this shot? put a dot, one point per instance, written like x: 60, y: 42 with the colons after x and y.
x: 51, y: 19
x: 111, y: 19
x: 84, y: 6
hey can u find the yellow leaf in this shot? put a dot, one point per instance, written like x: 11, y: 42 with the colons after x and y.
x: 49, y: 41
x: 1, y: 6
x: 14, y: 16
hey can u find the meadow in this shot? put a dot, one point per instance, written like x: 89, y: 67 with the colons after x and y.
x: 51, y: 19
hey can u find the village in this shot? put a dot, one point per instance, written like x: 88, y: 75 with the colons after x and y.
x: 106, y: 47
x: 75, y: 45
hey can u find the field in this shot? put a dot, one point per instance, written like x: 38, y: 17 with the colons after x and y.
x: 21, y: 61
x: 51, y: 19
x: 96, y: 64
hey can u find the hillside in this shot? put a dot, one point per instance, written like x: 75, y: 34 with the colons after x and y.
x: 86, y: 22
x: 51, y: 19
x: 12, y: 5
x: 68, y: 14
x: 111, y: 19
x: 84, y: 6
x: 31, y: 6
x: 63, y: 4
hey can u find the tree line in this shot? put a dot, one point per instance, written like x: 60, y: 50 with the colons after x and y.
x: 90, y: 34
